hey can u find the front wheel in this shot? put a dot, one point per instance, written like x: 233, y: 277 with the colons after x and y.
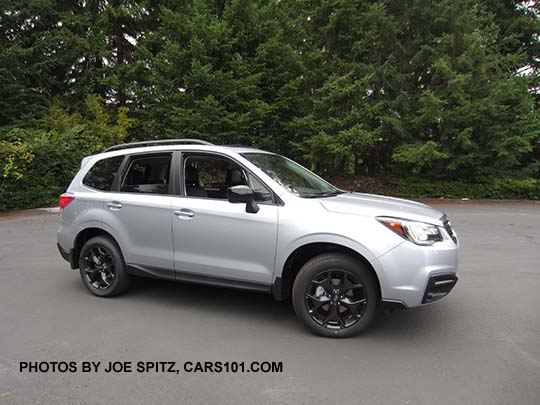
x: 335, y: 295
x: 102, y: 267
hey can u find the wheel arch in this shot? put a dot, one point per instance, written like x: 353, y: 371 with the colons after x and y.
x: 82, y: 237
x: 282, y: 286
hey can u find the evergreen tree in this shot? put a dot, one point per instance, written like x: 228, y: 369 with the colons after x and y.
x: 442, y: 89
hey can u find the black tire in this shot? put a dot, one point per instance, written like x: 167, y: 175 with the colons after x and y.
x: 332, y: 313
x: 103, y: 275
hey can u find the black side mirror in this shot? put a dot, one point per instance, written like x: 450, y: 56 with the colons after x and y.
x: 243, y: 194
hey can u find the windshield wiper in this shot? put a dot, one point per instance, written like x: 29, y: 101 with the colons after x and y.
x: 325, y: 194
x: 332, y: 193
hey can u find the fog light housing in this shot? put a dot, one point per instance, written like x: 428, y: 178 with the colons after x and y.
x: 439, y: 286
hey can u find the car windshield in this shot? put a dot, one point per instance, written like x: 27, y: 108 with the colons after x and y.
x: 292, y: 176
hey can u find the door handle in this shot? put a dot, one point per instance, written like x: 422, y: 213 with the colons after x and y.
x: 114, y: 205
x: 184, y: 213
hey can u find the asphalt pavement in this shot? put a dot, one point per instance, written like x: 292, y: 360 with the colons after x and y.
x: 480, y: 345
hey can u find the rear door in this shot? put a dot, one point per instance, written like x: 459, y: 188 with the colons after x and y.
x: 139, y: 211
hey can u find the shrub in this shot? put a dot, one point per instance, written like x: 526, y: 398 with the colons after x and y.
x: 37, y: 165
x: 415, y: 187
x: 505, y: 188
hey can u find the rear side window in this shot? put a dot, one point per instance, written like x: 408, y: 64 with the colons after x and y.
x: 148, y: 174
x: 101, y: 175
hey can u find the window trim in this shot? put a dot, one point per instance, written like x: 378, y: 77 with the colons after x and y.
x: 183, y: 155
x: 126, y: 164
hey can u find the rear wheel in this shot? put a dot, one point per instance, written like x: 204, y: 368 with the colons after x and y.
x: 102, y: 267
x: 335, y: 295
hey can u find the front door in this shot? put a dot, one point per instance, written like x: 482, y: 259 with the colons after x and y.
x: 214, y: 238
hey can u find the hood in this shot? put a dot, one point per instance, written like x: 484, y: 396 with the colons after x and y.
x: 376, y: 205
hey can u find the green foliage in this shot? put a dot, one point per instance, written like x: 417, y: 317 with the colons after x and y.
x: 419, y: 157
x: 505, y: 188
x: 444, y: 90
x: 420, y: 187
x: 15, y: 158
x: 431, y: 84
x: 36, y: 165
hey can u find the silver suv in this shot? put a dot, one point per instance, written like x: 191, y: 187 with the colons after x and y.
x: 234, y: 216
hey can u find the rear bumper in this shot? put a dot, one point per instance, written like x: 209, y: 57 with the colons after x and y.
x: 67, y: 256
x: 63, y: 253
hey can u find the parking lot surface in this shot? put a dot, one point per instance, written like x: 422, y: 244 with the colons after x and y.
x: 480, y: 345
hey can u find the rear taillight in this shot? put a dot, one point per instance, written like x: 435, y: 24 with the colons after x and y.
x: 65, y: 199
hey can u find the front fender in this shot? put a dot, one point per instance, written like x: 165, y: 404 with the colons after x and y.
x: 284, y: 253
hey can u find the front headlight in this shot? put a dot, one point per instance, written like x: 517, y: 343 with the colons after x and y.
x: 420, y: 233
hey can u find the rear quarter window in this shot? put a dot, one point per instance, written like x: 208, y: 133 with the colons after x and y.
x: 101, y: 175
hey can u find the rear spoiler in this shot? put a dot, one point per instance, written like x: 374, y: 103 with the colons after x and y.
x: 85, y: 160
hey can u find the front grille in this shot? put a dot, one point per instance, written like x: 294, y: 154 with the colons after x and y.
x: 439, y: 286
x: 448, y: 226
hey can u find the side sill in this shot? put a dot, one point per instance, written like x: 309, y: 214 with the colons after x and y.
x: 152, y: 272
x: 167, y: 274
x: 222, y: 282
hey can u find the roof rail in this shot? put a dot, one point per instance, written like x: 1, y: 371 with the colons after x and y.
x: 157, y: 142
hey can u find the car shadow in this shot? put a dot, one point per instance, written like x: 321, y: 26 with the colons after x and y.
x: 233, y: 303
x: 417, y: 323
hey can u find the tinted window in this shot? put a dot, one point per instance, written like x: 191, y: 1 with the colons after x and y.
x: 101, y: 175
x: 148, y: 174
x: 262, y: 194
x: 206, y: 176
x: 210, y: 177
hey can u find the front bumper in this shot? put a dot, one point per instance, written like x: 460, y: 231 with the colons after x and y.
x: 439, y: 286
x: 408, y: 273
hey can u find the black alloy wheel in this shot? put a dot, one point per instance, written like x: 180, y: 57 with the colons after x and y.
x: 335, y: 299
x: 336, y: 295
x: 102, y: 267
x: 98, y: 267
